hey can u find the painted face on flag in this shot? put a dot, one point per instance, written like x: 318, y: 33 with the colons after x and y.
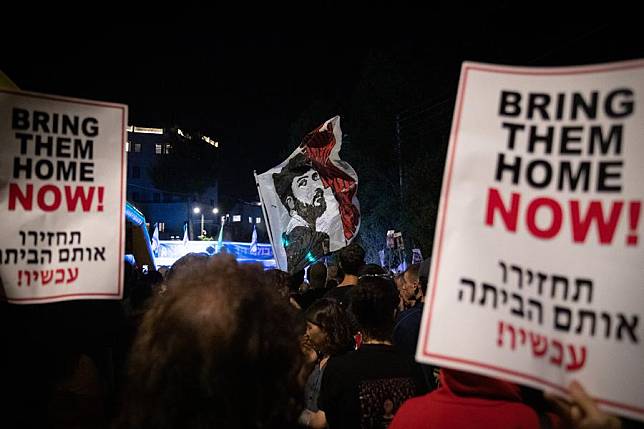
x: 308, y: 195
x: 310, y: 199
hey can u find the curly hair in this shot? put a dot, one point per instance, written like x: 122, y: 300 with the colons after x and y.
x: 334, y: 320
x: 373, y: 302
x: 219, y: 349
x: 280, y: 281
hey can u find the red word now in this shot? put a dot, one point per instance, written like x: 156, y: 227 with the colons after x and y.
x: 604, y: 215
x: 50, y: 197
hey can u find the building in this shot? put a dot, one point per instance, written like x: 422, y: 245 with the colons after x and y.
x: 171, y: 210
x: 240, y: 219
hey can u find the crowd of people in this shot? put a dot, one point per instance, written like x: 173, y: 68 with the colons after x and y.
x: 215, y: 343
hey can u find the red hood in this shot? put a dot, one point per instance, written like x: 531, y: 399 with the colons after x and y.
x: 459, y: 383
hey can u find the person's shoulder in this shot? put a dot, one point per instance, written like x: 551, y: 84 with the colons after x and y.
x: 341, y: 363
x: 409, y: 315
x: 416, y: 404
x: 413, y: 413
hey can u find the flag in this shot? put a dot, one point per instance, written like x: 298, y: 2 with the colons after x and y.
x: 310, y: 200
x: 155, y: 241
x: 185, y: 234
x: 253, y: 241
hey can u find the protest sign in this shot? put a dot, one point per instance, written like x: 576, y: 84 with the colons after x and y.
x: 62, y: 198
x: 538, y: 265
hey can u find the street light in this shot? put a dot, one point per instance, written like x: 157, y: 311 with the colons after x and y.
x: 197, y: 210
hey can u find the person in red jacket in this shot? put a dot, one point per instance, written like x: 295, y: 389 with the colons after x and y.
x: 465, y: 400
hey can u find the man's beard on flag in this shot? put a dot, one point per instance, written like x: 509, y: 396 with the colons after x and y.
x: 310, y: 212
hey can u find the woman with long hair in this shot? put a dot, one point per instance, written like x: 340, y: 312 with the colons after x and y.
x: 328, y: 333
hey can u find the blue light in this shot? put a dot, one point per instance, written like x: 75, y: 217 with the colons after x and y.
x: 133, y: 215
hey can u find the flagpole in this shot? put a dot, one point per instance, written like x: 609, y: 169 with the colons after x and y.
x: 220, y: 238
x: 268, y: 223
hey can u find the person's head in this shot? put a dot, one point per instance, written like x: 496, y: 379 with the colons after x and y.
x: 351, y: 258
x: 334, y: 272
x: 409, y: 286
x: 374, y: 302
x: 280, y: 281
x: 186, y: 261
x: 317, y: 275
x: 328, y: 327
x: 371, y: 270
x: 219, y: 349
x: 300, y: 189
x: 423, y: 274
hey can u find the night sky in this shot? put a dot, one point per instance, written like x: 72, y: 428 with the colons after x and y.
x: 244, y: 80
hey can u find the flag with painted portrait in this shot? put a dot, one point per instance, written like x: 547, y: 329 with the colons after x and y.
x: 310, y: 200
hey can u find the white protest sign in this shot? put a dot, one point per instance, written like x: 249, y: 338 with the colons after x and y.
x: 538, y: 262
x: 62, y: 198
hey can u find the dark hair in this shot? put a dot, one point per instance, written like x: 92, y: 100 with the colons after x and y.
x: 188, y: 260
x: 317, y: 275
x: 295, y: 281
x: 280, y: 281
x: 334, y: 320
x: 372, y: 269
x: 351, y: 258
x: 373, y: 303
x: 217, y: 350
x: 296, y: 166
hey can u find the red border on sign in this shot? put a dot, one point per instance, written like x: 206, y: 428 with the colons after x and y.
x: 448, y: 179
x: 122, y: 217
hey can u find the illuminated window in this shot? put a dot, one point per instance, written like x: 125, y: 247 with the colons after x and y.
x: 145, y: 130
x: 137, y: 147
x: 161, y: 226
x: 168, y: 148
x: 128, y: 146
x: 237, y: 218
x: 258, y: 220
x: 158, y: 149
x: 250, y: 219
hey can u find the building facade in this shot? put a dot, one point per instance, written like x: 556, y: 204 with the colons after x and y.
x: 170, y: 210
x: 240, y: 220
